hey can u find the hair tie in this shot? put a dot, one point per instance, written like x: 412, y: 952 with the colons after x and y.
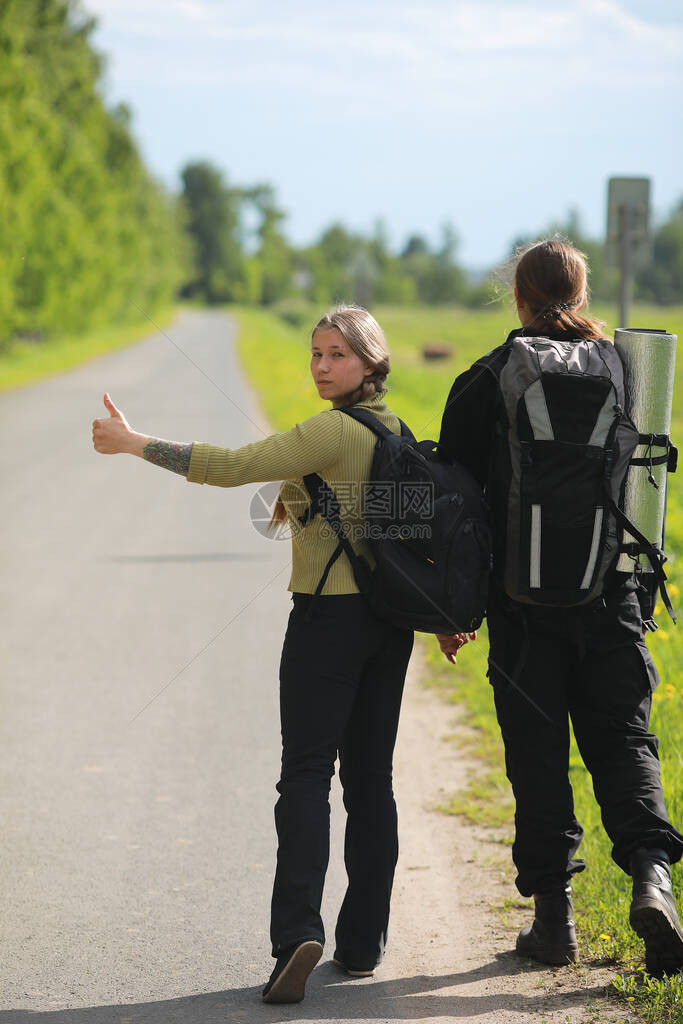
x: 555, y: 308
x: 377, y: 379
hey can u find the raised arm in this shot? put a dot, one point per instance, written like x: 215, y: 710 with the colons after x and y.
x: 113, y: 435
x: 309, y: 447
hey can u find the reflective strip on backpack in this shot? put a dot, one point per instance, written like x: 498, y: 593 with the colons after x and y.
x: 593, y: 556
x: 604, y: 421
x: 535, y: 549
x: 536, y: 407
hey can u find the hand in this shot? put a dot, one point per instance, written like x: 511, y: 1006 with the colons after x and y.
x: 450, y: 645
x: 113, y: 435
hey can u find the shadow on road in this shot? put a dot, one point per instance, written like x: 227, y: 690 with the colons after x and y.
x: 209, y: 556
x: 331, y: 996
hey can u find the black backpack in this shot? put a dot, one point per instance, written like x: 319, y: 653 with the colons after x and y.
x: 569, y: 444
x: 427, y: 525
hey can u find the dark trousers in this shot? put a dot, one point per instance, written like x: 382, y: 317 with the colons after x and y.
x: 590, y: 665
x: 341, y: 682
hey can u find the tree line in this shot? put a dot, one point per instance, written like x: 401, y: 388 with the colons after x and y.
x: 259, y: 266
x: 242, y: 253
x: 89, y: 237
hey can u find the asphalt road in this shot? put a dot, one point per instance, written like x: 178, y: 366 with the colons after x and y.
x: 142, y: 621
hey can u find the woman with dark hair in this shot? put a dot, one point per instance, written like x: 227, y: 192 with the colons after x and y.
x: 342, y: 669
x: 549, y: 663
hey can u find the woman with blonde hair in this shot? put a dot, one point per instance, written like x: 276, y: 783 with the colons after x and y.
x: 342, y: 668
x: 538, y: 423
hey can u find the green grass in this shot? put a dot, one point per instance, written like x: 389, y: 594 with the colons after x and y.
x: 24, y: 362
x: 657, y: 1002
x: 276, y: 357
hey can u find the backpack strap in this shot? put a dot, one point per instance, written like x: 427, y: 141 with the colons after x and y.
x: 324, y: 502
x: 669, y: 458
x: 374, y: 424
x: 655, y: 555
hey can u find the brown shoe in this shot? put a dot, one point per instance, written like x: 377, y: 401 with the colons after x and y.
x: 287, y: 983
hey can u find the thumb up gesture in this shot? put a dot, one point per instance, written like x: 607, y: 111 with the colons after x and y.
x: 112, y: 434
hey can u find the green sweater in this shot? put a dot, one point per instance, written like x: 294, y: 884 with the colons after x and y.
x: 331, y: 444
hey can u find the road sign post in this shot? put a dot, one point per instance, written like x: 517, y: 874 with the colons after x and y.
x: 628, y: 234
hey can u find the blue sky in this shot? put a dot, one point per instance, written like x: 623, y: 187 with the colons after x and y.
x: 496, y: 116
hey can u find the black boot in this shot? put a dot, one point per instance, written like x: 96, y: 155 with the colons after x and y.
x: 552, y: 937
x: 653, y: 912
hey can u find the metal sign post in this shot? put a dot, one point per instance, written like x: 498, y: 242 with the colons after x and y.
x: 628, y: 234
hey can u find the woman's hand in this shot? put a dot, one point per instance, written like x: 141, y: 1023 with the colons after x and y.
x: 113, y: 435
x: 450, y: 645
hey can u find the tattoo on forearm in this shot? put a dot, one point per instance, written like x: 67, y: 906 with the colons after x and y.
x: 169, y: 455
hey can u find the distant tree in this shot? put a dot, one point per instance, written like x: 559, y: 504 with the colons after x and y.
x: 378, y: 246
x: 337, y: 245
x: 327, y: 264
x: 449, y: 245
x: 343, y: 266
x: 416, y: 245
x: 213, y: 221
x: 440, y: 279
x: 88, y: 236
x: 379, y: 274
x: 436, y: 276
x: 662, y: 281
x: 274, y: 254
x: 364, y: 272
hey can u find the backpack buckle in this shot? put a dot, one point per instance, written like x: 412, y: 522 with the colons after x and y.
x: 672, y: 462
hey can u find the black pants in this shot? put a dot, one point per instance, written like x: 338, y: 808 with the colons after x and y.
x: 591, y: 665
x: 341, y: 682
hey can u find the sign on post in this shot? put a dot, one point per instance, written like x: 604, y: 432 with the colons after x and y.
x: 628, y: 234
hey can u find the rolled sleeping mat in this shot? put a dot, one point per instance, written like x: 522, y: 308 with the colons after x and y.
x: 649, y: 358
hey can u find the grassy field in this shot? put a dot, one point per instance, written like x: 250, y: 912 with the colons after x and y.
x: 276, y: 357
x: 24, y: 361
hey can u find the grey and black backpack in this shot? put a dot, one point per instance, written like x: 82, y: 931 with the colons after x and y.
x: 569, y: 446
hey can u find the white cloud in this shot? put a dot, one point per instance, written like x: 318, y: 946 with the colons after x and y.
x: 455, y: 55
x: 429, y: 111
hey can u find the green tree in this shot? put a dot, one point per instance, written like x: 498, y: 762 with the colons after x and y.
x: 88, y: 236
x: 337, y: 245
x: 214, y: 223
x: 416, y: 245
x: 436, y: 276
x: 662, y: 281
x: 329, y: 265
x: 274, y: 255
